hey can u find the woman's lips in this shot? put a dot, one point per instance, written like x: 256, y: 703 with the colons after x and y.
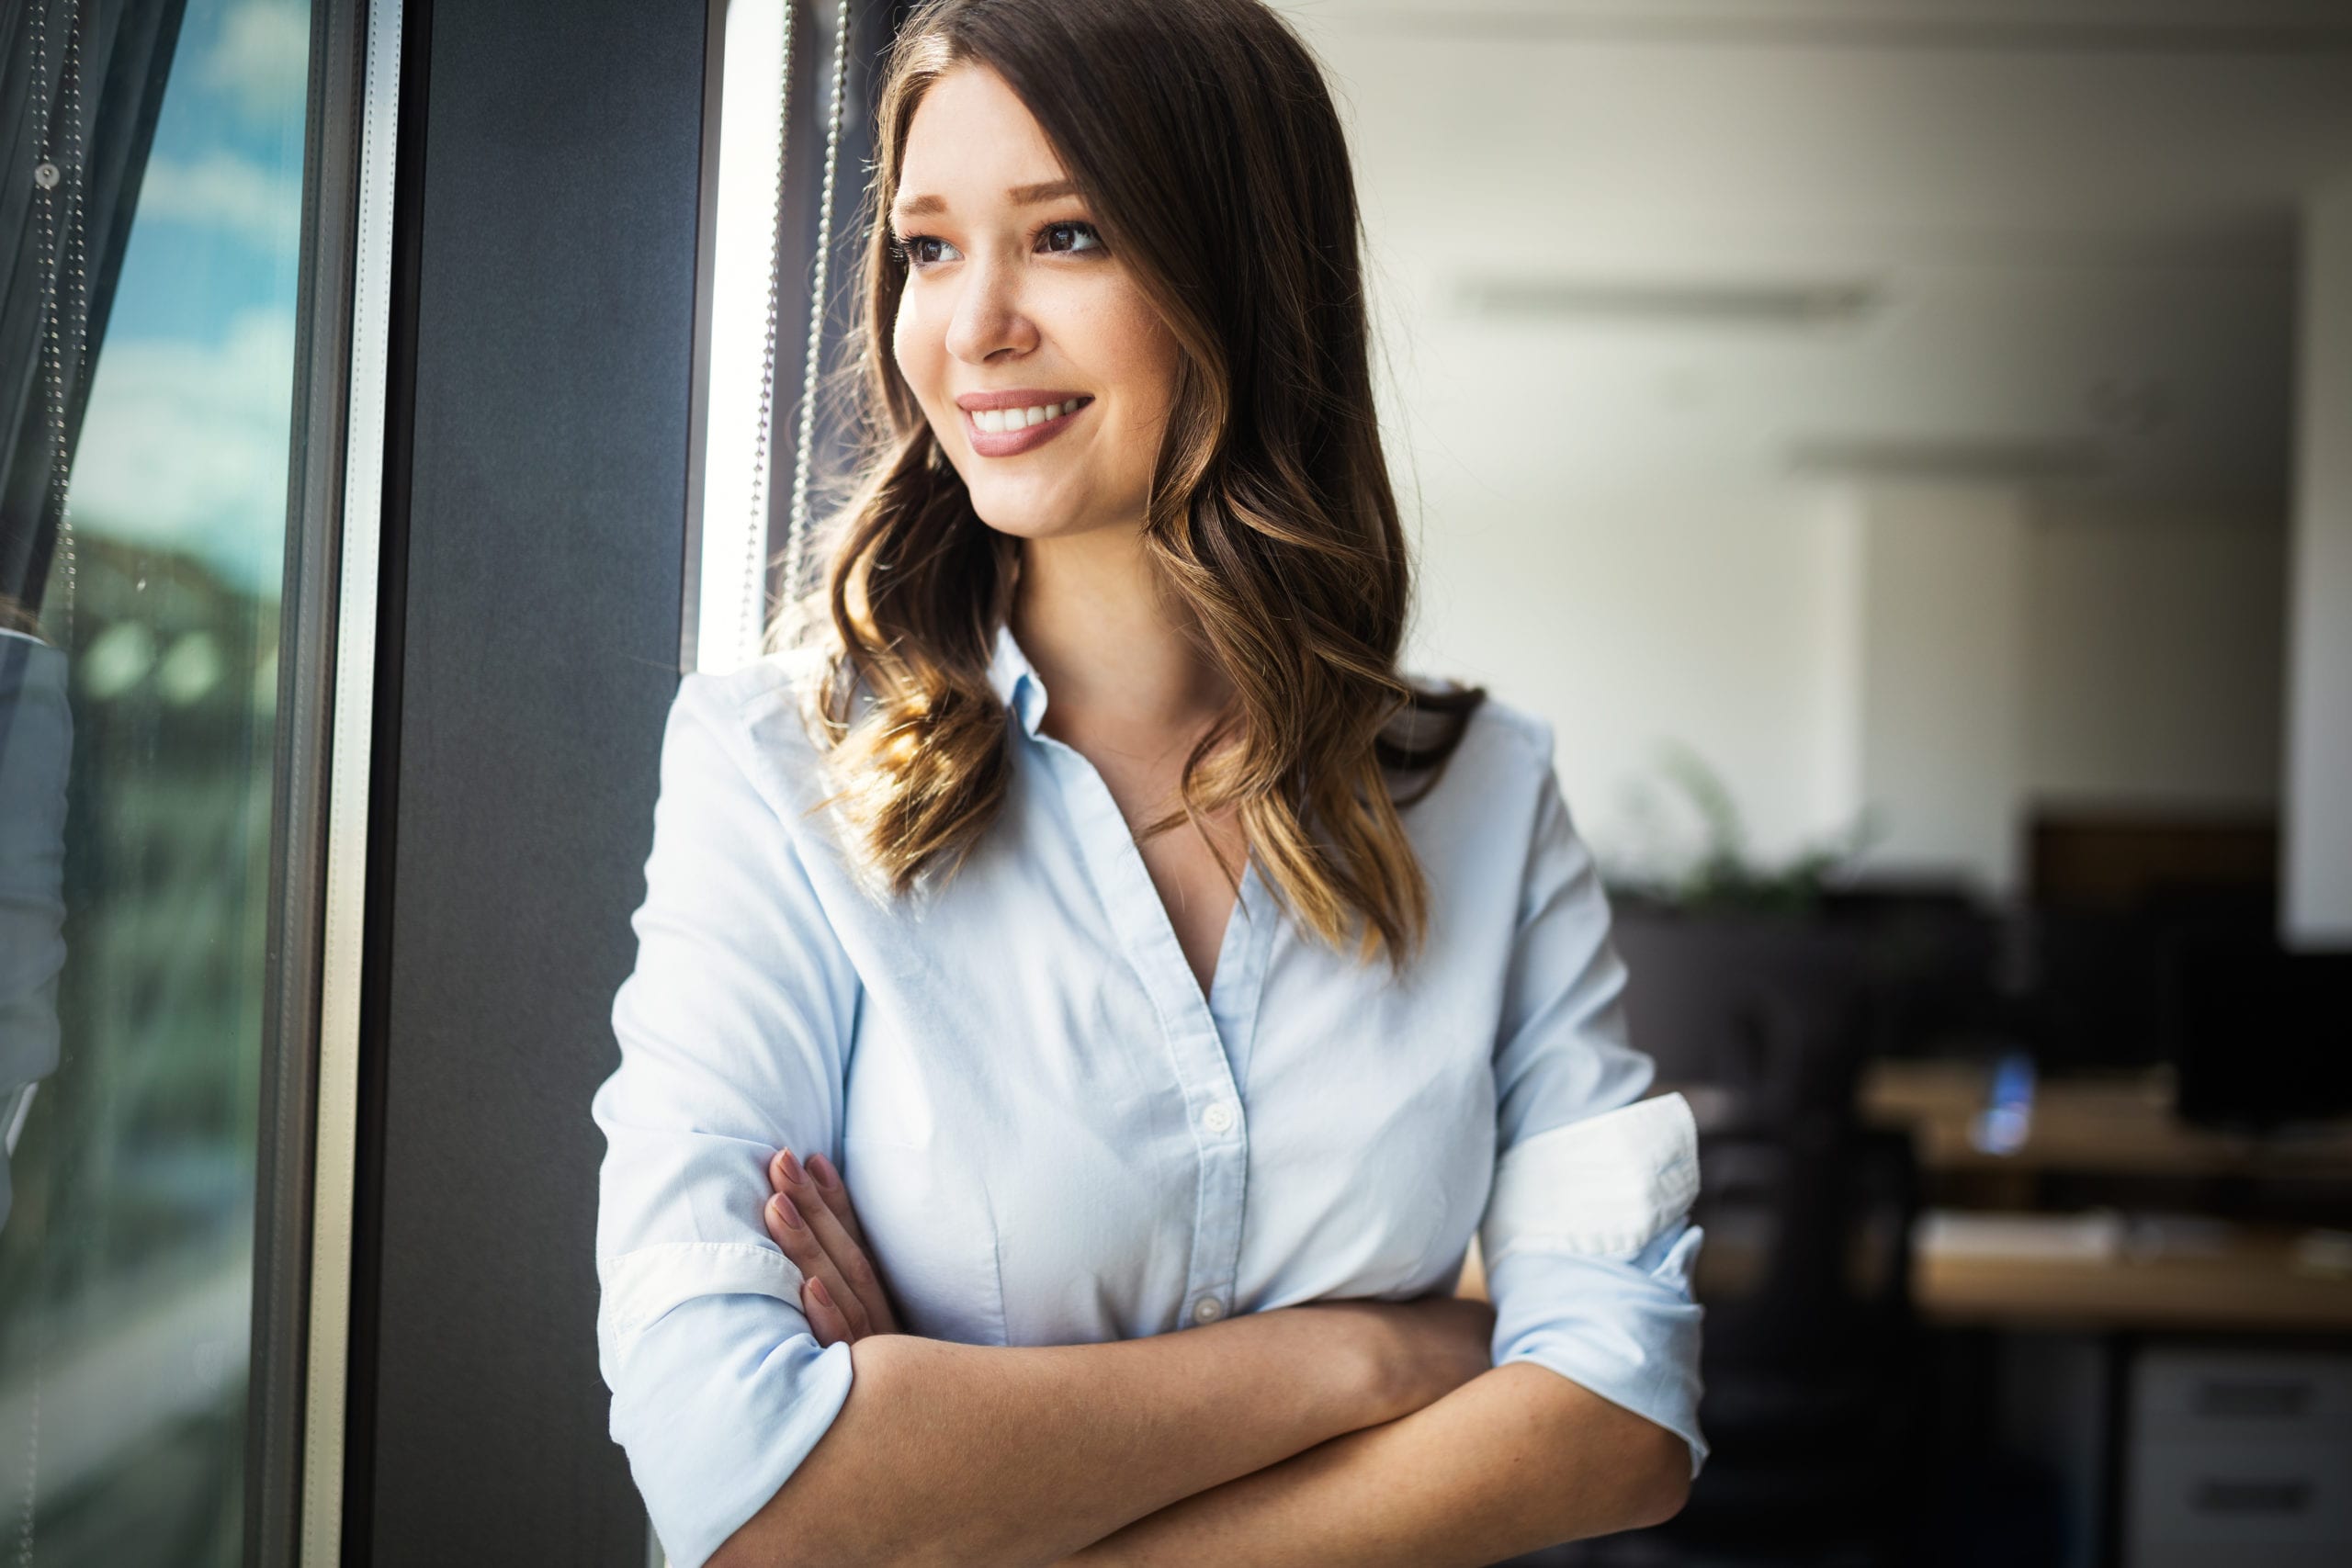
x: 1011, y: 443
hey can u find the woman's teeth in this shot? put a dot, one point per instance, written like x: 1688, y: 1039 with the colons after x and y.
x: 995, y: 420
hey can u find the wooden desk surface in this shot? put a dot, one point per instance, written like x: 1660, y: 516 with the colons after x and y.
x: 2116, y: 1124
x: 2256, y: 1281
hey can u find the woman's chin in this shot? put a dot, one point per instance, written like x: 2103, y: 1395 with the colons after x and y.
x: 1028, y: 517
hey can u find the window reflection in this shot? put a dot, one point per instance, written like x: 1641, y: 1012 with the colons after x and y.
x: 137, y: 726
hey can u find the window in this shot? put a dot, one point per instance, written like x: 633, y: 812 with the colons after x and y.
x: 144, y: 458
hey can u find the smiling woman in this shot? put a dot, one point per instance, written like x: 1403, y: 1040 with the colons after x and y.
x: 1223, y: 403
x: 994, y: 268
x: 981, y: 1040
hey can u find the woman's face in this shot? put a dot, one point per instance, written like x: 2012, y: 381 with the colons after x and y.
x: 1013, y: 309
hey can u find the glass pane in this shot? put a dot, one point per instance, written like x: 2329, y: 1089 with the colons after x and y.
x: 138, y: 677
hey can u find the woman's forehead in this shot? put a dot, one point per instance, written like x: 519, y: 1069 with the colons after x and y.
x: 973, y: 133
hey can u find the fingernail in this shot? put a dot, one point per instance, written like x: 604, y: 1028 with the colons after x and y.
x: 817, y: 1288
x: 822, y: 1169
x: 791, y: 1168
x: 788, y: 1212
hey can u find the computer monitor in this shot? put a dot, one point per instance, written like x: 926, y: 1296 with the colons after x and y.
x: 2260, y: 1035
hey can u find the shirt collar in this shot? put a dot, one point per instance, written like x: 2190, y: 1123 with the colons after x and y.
x: 1016, y: 682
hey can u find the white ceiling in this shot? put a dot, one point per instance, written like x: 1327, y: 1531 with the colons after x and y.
x: 2075, y: 225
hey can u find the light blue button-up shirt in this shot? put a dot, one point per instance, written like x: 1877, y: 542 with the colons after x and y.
x: 1053, y: 1137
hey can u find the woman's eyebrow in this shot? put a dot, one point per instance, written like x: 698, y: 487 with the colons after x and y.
x: 1023, y: 196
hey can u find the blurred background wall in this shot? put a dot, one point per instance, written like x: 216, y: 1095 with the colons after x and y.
x: 1894, y: 403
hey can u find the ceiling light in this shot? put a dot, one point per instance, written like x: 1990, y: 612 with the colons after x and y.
x: 1976, y: 460
x: 1652, y: 300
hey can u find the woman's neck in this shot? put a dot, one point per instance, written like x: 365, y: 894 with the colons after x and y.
x: 1094, y: 619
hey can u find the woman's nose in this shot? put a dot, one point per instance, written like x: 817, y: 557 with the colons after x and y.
x: 988, y: 316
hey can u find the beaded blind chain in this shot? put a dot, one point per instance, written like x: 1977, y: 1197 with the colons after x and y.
x: 754, y: 610
x: 48, y: 175
x: 796, y: 547
x: 61, y: 364
x: 754, y: 622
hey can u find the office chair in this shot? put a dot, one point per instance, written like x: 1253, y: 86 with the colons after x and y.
x: 1810, y: 1348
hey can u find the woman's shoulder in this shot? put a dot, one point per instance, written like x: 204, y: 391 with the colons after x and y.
x: 1478, y: 823
x: 1476, y: 807
x: 754, y: 687
x: 760, y: 714
x: 1493, y: 740
x: 1523, y: 740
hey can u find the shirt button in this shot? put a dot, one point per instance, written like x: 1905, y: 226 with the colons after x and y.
x: 1209, y: 1309
x: 1218, y: 1118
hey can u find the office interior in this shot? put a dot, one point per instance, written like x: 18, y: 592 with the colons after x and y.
x: 1904, y: 451
x: 1903, y: 446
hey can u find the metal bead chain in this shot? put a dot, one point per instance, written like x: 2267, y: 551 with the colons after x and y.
x: 796, y: 540
x: 47, y: 178
x: 754, y: 622
x: 63, y: 369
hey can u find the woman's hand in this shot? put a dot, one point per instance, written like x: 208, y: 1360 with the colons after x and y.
x: 1422, y: 1349
x: 809, y: 1216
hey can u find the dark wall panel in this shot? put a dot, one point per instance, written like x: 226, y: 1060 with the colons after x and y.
x: 536, y: 501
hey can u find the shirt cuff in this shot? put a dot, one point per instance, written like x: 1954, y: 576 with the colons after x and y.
x: 1627, y: 1329
x: 716, y: 1402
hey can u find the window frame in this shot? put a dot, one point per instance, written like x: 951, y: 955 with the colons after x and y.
x: 496, y: 510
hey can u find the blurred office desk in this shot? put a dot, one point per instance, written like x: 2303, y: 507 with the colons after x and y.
x: 2103, y: 1272
x: 2116, y: 1254
x: 2119, y: 1125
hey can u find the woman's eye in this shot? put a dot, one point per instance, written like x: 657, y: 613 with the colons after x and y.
x: 1065, y: 237
x: 915, y: 249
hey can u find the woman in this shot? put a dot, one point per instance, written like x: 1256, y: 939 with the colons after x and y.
x: 1088, y: 931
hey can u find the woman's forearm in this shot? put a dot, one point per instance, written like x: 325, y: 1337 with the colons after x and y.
x: 947, y: 1453
x: 1514, y: 1461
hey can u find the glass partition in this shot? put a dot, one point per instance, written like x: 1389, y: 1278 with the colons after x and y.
x: 148, y: 337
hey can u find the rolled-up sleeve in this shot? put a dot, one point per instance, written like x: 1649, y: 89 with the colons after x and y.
x: 733, y: 1030
x: 1586, y: 1239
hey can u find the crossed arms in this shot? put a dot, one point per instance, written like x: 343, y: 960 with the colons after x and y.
x: 1338, y: 1432
x: 1266, y: 1440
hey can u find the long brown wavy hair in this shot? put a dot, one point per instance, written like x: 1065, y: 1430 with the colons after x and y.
x: 1204, y: 141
